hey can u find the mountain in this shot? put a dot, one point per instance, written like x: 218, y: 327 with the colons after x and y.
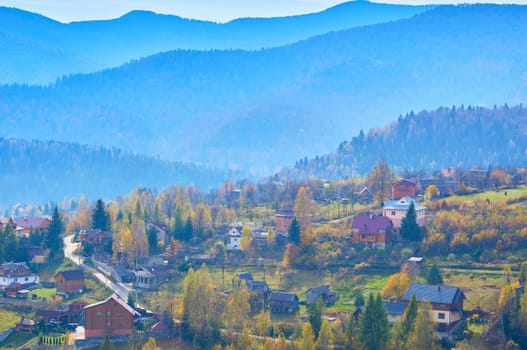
x: 258, y: 110
x: 91, y: 45
x: 430, y: 140
x: 40, y: 171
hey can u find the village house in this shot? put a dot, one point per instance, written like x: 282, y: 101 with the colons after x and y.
x: 283, y: 302
x: 446, y: 302
x: 283, y: 220
x: 160, y: 229
x: 25, y: 325
x: 261, y: 288
x: 373, y: 230
x: 396, y: 211
x: 328, y: 297
x: 11, y: 272
x: 111, y: 317
x: 69, y: 282
x: 233, y: 238
x: 395, y: 310
x: 98, y: 241
x: 27, y: 224
x: 403, y: 188
x: 6, y: 221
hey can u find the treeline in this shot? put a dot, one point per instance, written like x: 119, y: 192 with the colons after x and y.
x: 39, y: 171
x: 430, y: 140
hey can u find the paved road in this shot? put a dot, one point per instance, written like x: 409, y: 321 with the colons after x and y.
x: 70, y: 249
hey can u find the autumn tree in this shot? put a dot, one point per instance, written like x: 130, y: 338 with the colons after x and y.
x: 200, y: 308
x: 307, y: 340
x: 202, y: 221
x: 247, y: 239
x: 434, y: 275
x: 396, y: 286
x: 379, y: 181
x: 422, y: 334
x: 237, y: 308
x: 409, y: 227
x: 271, y: 237
x: 325, y: 337
x: 151, y: 344
x: 374, y: 328
x: 100, y: 217
x: 431, y: 192
x: 303, y: 209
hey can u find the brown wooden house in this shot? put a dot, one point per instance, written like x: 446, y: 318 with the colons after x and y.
x: 403, y: 188
x: 69, y: 281
x: 283, y: 220
x: 111, y: 317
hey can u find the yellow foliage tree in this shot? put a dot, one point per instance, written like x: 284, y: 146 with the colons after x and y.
x: 151, y: 344
x: 307, y: 340
x: 396, y: 286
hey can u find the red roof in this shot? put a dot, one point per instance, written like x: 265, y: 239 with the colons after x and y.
x: 120, y: 301
x: 372, y: 223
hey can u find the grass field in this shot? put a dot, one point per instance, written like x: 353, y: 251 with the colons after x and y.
x: 17, y: 339
x: 8, y: 319
x: 45, y: 293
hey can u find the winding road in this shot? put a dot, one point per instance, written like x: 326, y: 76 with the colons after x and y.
x: 70, y: 249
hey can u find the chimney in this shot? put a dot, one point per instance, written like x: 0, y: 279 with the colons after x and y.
x: 438, y: 288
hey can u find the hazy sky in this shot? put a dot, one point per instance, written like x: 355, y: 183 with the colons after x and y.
x: 214, y: 10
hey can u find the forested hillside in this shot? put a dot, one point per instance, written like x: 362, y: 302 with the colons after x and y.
x: 259, y: 110
x: 91, y: 45
x: 42, y: 171
x: 430, y: 140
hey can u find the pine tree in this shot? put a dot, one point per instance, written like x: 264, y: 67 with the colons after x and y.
x: 315, y: 315
x: 409, y: 227
x: 434, y: 275
x: 294, y: 232
x: 409, y: 317
x: 187, y: 230
x: 53, y: 239
x: 100, y: 217
x: 374, y: 327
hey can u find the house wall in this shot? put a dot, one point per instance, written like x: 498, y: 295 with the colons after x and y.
x: 283, y: 223
x: 6, y: 280
x: 397, y: 216
x: 403, y: 190
x: 109, y: 318
x: 68, y: 286
x: 233, y: 242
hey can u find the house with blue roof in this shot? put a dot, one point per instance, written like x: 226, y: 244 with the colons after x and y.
x: 396, y: 209
x: 446, y: 302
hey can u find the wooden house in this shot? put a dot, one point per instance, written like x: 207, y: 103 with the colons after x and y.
x: 110, y: 317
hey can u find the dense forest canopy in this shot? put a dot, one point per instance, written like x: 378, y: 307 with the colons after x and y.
x: 40, y: 171
x: 430, y: 140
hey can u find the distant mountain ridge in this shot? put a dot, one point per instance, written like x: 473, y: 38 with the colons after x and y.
x: 92, y: 45
x: 430, y: 140
x: 259, y: 110
x: 42, y: 171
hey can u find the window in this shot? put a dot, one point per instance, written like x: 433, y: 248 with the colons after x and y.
x: 108, y: 313
x: 99, y: 313
x: 441, y: 315
x: 393, y: 212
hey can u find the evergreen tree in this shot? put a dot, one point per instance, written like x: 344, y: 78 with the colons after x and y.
x: 187, y: 231
x: 10, y: 244
x: 294, y: 232
x: 409, y: 316
x: 359, y: 300
x: 409, y: 228
x: 53, y: 238
x: 152, y: 239
x: 374, y: 327
x: 179, y: 225
x: 315, y: 315
x: 100, y: 218
x: 434, y: 275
